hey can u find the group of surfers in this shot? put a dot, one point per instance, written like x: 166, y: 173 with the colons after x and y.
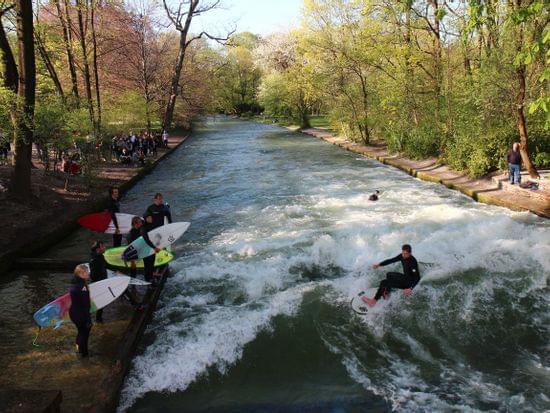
x: 79, y: 311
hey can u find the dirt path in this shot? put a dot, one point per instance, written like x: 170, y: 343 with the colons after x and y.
x: 493, y: 190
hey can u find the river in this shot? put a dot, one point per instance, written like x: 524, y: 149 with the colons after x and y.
x: 256, y: 316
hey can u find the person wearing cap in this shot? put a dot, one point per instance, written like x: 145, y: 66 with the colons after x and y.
x: 80, y: 308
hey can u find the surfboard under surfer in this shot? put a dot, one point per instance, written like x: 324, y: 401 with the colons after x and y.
x: 406, y: 281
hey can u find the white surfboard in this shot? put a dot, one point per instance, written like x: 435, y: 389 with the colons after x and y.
x: 124, y: 224
x: 161, y: 237
x: 104, y: 292
x: 358, y: 305
x: 133, y: 281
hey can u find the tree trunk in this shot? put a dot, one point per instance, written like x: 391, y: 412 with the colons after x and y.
x: 49, y: 65
x: 20, y: 184
x: 9, y: 73
x: 520, y: 100
x: 96, y: 72
x: 169, y: 114
x: 87, y: 81
x: 67, y: 38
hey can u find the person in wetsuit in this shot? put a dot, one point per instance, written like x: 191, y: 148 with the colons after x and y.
x: 406, y: 281
x: 148, y: 262
x: 98, y: 269
x: 158, y: 210
x: 134, y: 234
x: 114, y: 207
x: 80, y: 308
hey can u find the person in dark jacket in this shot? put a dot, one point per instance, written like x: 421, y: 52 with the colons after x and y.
x: 134, y: 234
x: 80, y: 308
x: 406, y: 281
x: 158, y: 210
x: 98, y: 269
x: 148, y: 262
x: 514, y: 164
x: 114, y: 208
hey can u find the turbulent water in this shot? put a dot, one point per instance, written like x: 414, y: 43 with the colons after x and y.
x: 257, y: 318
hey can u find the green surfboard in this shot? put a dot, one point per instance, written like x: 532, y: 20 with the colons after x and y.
x: 113, y: 256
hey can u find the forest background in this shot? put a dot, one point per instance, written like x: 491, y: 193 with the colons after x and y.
x: 458, y: 80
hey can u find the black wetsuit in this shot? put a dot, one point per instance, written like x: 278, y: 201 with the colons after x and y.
x: 98, y: 272
x: 158, y: 212
x: 132, y: 236
x: 114, y: 208
x: 80, y: 314
x: 148, y: 262
x: 409, y: 279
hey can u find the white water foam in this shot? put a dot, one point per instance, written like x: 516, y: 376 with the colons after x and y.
x: 245, y: 275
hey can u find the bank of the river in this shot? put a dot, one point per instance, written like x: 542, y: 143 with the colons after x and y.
x: 49, y: 375
x: 29, y: 230
x: 493, y: 190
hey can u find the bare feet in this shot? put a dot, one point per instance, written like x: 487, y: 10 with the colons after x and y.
x: 371, y: 302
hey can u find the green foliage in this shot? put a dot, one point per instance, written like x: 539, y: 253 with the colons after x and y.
x: 125, y: 112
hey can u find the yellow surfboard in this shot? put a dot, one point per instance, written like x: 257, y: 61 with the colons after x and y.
x: 113, y: 256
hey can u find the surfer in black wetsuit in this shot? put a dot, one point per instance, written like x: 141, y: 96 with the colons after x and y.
x: 148, y: 262
x: 158, y: 210
x: 80, y: 308
x: 114, y: 208
x: 134, y: 234
x: 406, y: 281
x: 98, y: 269
x: 98, y: 272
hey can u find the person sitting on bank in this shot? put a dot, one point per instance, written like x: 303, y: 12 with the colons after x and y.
x: 514, y: 164
x: 406, y: 281
x: 80, y: 308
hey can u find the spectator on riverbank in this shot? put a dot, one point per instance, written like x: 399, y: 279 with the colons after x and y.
x: 165, y: 138
x: 514, y: 164
x: 80, y: 308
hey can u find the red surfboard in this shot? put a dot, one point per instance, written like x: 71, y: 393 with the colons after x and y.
x: 97, y: 222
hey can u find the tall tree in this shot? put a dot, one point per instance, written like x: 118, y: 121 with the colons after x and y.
x: 20, y: 184
x: 65, y: 20
x: 181, y: 17
x: 81, y: 8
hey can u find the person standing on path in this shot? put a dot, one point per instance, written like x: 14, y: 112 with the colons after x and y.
x: 114, y: 208
x: 406, y: 281
x: 514, y: 164
x: 80, y: 308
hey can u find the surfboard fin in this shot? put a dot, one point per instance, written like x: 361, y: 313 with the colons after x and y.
x: 58, y: 324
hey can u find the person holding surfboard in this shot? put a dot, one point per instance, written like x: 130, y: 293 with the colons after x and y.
x: 158, y: 210
x: 405, y: 282
x: 114, y: 208
x: 148, y: 262
x: 80, y: 308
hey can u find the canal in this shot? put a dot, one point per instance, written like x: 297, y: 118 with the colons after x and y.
x: 256, y: 317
